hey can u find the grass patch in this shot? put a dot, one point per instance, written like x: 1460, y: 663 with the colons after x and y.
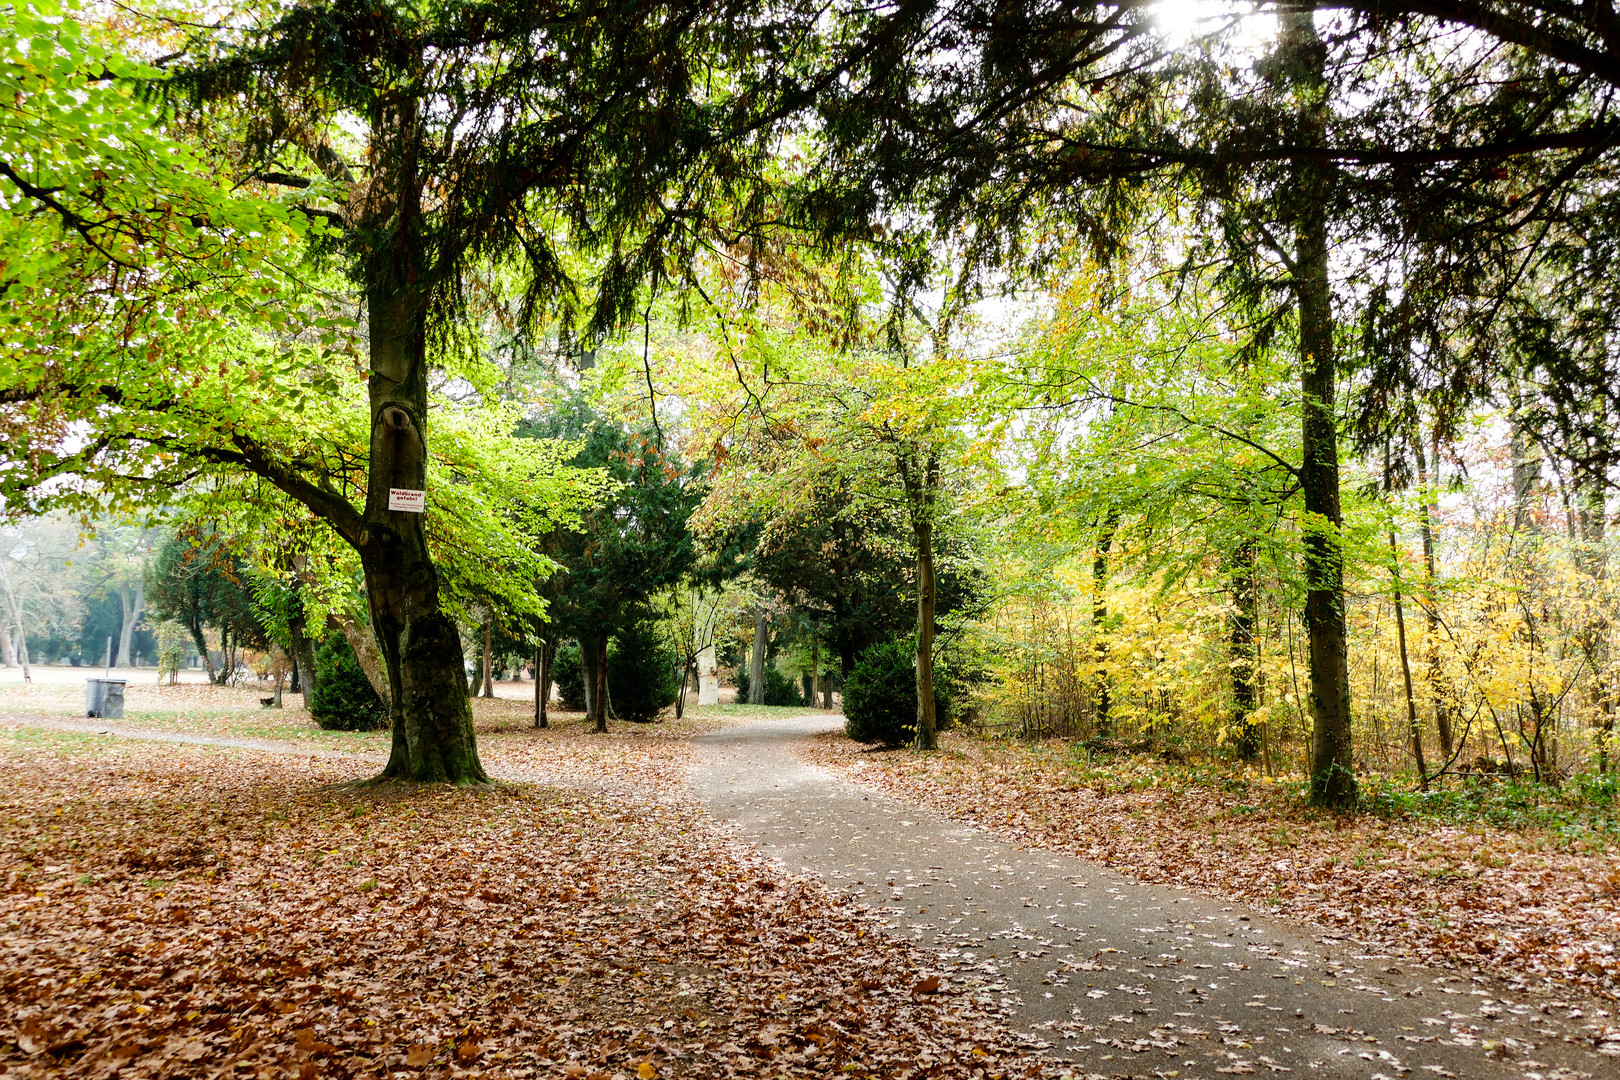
x: 1584, y: 809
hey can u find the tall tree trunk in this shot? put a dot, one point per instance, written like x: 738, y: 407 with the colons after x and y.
x: 1593, y: 513
x: 1413, y: 727
x: 489, y: 677
x: 1439, y: 691
x: 756, y: 660
x: 364, y: 646
x: 921, y: 481
x: 1245, y: 698
x: 15, y: 613
x: 587, y: 665
x: 132, y: 599
x: 927, y: 722
x: 1102, y: 688
x: 304, y: 650
x: 601, y: 683
x: 542, y: 680
x: 1332, y: 768
x: 433, y: 738
x: 815, y: 672
x: 8, y: 643
x: 200, y: 640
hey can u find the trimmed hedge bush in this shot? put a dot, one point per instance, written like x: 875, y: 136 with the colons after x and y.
x: 880, y: 695
x: 344, y: 699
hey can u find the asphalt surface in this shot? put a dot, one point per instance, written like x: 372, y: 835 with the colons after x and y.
x: 1126, y: 979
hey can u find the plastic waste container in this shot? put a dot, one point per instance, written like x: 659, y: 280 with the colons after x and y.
x: 104, y: 698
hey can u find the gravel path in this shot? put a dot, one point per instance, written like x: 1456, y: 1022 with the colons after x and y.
x: 1133, y: 980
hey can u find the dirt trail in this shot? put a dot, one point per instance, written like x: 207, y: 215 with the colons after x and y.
x: 1129, y: 979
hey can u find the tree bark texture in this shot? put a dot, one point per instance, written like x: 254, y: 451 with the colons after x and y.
x: 366, y: 652
x: 921, y: 479
x: 1245, y: 696
x: 132, y: 601
x: 304, y: 650
x: 756, y: 660
x: 587, y: 663
x: 601, y: 646
x: 489, y: 676
x: 1332, y: 767
x: 543, y: 656
x: 14, y: 612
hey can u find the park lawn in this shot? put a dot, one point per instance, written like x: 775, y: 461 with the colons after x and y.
x: 175, y: 910
x: 199, y: 709
x: 1538, y: 904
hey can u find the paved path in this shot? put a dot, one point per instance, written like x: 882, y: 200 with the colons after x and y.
x: 1129, y: 979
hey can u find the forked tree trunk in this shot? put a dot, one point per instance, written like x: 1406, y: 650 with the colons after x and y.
x: 132, y: 601
x: 15, y: 613
x: 1333, y: 780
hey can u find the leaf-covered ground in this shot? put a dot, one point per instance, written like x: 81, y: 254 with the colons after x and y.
x: 1537, y: 909
x: 179, y: 911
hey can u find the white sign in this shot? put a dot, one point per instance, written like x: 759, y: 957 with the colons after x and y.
x: 412, y: 502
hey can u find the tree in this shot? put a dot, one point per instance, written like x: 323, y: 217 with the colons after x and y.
x: 199, y: 583
x: 627, y: 551
x: 590, y: 135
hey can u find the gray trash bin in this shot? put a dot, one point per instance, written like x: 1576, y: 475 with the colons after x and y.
x: 104, y: 698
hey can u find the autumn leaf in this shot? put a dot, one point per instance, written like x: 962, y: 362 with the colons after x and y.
x: 929, y: 985
x: 646, y: 1070
x: 31, y: 1038
x: 418, y: 1055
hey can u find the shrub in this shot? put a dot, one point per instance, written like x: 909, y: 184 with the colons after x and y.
x: 643, y: 674
x: 880, y: 695
x: 344, y: 699
x: 568, y: 672
x: 779, y: 689
x: 171, y: 644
